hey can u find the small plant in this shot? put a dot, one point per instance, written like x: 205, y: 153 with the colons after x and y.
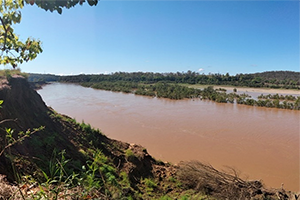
x: 129, y: 154
x: 165, y: 197
x: 172, y: 179
x: 10, y: 140
x: 125, y: 183
x: 184, y: 197
x: 100, y: 174
x: 150, y: 184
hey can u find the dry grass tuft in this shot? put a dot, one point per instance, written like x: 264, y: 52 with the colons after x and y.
x: 206, y: 179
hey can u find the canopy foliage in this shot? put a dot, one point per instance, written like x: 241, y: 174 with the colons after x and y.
x: 13, y: 51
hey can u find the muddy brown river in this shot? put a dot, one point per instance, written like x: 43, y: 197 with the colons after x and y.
x: 261, y: 143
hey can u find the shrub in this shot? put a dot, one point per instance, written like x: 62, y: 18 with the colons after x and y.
x: 129, y: 154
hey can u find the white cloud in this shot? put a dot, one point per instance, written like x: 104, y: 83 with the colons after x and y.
x: 62, y: 74
x: 106, y: 72
x: 200, y: 70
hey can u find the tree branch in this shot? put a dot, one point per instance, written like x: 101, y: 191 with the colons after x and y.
x: 18, y: 140
x: 8, y: 120
x: 5, y: 34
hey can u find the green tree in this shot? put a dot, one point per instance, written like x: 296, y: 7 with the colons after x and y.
x: 12, y: 50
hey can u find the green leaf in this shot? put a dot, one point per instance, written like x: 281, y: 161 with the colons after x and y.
x: 46, y: 176
x: 12, y: 50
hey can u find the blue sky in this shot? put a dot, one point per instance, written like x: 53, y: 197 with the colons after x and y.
x: 165, y: 36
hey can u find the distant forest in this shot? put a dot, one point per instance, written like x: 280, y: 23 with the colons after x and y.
x: 271, y: 79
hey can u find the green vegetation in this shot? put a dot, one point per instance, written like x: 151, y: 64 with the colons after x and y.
x: 13, y: 50
x: 279, y: 97
x: 150, y: 184
x: 281, y: 79
x: 120, y: 86
x: 129, y: 154
x: 176, y: 86
x: 176, y: 91
x: 8, y: 73
x: 37, y: 78
x: 98, y: 179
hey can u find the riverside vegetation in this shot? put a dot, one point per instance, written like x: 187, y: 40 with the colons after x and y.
x: 176, y: 86
x: 64, y: 159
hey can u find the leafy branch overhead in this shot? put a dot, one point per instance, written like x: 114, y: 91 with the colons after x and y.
x: 58, y: 5
x: 12, y: 50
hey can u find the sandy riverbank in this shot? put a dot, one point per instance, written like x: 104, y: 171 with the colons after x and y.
x: 248, y: 89
x: 261, y: 90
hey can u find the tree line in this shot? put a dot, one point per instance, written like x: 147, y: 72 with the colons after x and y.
x: 279, y: 79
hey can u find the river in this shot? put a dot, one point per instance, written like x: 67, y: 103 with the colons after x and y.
x: 261, y: 143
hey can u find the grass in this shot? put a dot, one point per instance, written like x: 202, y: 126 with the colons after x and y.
x: 8, y: 73
x: 129, y: 154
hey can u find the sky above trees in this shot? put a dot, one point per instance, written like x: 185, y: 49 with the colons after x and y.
x: 165, y: 36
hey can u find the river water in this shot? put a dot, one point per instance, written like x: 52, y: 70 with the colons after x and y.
x: 261, y: 143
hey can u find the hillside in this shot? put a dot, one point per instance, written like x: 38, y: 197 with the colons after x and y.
x: 279, y: 75
x: 69, y: 160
